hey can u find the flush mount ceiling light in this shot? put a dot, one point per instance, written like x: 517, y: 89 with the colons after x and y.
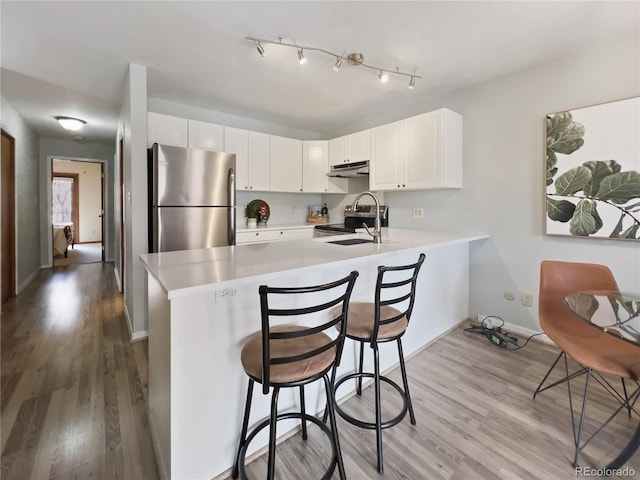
x: 70, y: 123
x: 356, y: 59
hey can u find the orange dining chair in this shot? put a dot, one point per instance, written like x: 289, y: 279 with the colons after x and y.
x: 596, y: 351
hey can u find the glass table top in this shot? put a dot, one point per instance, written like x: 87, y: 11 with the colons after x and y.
x: 614, y: 312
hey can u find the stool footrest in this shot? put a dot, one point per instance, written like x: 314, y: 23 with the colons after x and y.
x: 284, y: 416
x: 372, y: 425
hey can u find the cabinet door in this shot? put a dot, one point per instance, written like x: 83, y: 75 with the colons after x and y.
x: 285, y: 164
x: 359, y: 146
x: 384, y: 168
x: 258, y: 165
x: 338, y: 150
x: 166, y: 130
x: 422, y: 151
x: 236, y: 141
x: 315, y: 165
x: 207, y: 136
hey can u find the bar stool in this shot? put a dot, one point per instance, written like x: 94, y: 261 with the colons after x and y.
x: 383, y: 321
x: 293, y: 356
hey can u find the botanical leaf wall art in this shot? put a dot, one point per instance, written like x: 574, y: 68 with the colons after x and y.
x: 593, y: 171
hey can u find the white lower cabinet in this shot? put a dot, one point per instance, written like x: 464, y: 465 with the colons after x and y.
x: 273, y: 235
x: 417, y: 153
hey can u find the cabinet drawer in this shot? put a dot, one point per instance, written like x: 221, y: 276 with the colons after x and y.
x: 295, y: 234
x: 256, y: 236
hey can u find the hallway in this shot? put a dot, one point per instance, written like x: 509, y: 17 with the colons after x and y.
x: 73, y: 386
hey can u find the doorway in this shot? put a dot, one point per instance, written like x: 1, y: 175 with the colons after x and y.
x: 7, y: 216
x: 77, y: 212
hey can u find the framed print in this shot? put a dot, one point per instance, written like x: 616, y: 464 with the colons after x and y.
x: 593, y: 171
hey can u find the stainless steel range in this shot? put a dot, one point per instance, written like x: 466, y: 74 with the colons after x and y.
x: 354, y: 219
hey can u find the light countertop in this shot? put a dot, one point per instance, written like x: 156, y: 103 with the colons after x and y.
x: 191, y: 272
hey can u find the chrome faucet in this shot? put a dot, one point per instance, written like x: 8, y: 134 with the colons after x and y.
x: 377, y: 232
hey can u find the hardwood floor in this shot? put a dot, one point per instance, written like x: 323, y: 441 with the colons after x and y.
x: 73, y: 386
x: 73, y: 406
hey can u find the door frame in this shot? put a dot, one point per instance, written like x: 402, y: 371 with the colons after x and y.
x: 47, y: 226
x: 75, y: 206
x: 12, y: 261
x: 121, y: 218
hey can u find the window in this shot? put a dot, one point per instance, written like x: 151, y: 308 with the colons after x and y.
x: 62, y: 198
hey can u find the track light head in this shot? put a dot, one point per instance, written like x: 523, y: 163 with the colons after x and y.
x: 412, y: 83
x: 260, y: 49
x: 336, y: 67
x: 301, y: 57
x: 383, y: 77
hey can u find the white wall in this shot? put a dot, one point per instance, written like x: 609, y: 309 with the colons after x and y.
x: 89, y: 228
x: 27, y: 195
x: 132, y: 124
x: 80, y: 151
x: 504, y: 183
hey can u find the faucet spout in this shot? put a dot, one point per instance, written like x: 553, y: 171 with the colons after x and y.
x: 377, y: 232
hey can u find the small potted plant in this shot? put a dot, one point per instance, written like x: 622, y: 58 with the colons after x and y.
x: 251, y: 212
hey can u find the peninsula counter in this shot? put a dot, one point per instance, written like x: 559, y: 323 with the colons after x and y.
x: 203, y: 304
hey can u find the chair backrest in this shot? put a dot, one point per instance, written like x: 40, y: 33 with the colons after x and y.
x: 395, y: 287
x: 318, y: 301
x: 558, y: 279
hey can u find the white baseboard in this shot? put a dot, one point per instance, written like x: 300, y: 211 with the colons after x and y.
x: 155, y: 443
x: 137, y: 336
x: 117, y: 275
x: 29, y: 279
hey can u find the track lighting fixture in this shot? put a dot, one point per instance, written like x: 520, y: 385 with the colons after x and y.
x: 301, y: 57
x: 70, y: 123
x: 356, y: 59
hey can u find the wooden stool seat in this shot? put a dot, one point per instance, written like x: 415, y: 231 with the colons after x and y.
x: 288, y: 372
x: 361, y: 323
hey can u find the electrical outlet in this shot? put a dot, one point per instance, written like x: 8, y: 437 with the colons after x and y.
x: 509, y: 296
x: 527, y: 299
x: 418, y: 212
x: 226, y: 295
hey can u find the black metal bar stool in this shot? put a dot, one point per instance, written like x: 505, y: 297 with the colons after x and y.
x: 384, y: 320
x: 293, y: 356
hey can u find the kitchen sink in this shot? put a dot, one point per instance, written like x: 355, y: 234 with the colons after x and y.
x: 351, y: 241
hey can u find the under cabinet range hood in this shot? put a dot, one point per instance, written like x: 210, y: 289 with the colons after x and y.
x: 349, y: 170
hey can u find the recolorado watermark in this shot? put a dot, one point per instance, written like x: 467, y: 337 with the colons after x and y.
x: 604, y: 472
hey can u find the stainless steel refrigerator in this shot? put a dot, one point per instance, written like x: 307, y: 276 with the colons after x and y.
x: 192, y: 198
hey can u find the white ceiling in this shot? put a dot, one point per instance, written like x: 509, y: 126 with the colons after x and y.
x: 71, y: 58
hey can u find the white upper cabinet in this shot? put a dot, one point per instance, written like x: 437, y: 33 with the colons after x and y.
x: 207, y: 136
x: 315, y: 165
x: 166, y: 130
x: 384, y: 168
x: 350, y: 148
x: 258, y: 164
x: 252, y: 158
x: 418, y: 153
x: 285, y: 164
x: 236, y: 141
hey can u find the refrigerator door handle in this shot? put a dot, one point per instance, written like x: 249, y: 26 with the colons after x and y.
x: 231, y: 192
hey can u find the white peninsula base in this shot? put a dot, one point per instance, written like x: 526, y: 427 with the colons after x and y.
x: 203, y: 304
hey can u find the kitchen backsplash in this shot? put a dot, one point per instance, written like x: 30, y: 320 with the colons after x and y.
x: 287, y: 208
